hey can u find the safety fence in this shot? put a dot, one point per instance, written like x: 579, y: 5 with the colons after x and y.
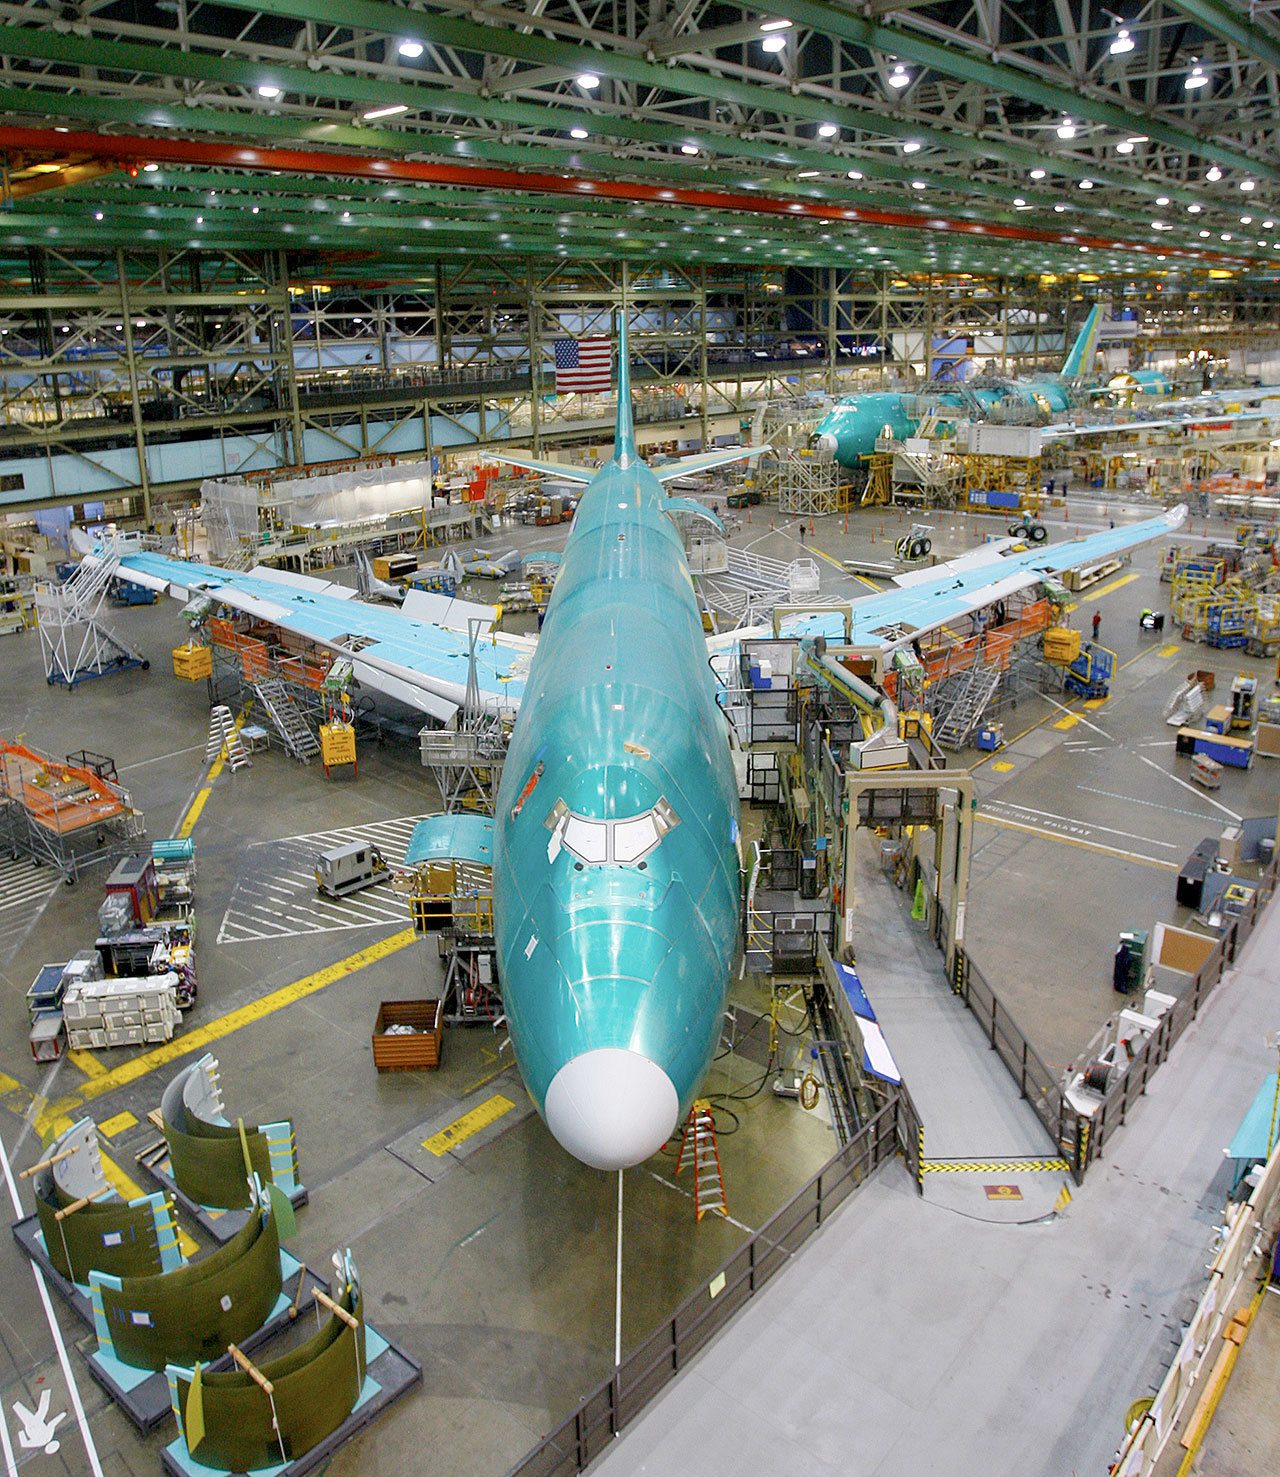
x: 641, y: 1376
x: 1082, y: 1136
x: 1092, y: 1132
x: 1213, y: 1336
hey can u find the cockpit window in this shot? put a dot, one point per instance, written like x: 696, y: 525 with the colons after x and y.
x: 624, y: 842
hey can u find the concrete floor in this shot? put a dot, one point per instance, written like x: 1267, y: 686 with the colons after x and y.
x: 499, y: 1276
x: 914, y: 1337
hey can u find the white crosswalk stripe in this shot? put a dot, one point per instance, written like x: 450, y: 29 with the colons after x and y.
x: 23, y: 885
x: 276, y: 895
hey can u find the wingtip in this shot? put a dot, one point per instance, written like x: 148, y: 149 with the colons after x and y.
x: 1176, y: 517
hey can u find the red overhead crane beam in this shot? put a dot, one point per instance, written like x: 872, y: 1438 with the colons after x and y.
x: 124, y: 149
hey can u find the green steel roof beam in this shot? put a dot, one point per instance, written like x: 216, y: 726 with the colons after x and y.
x: 434, y: 29
x: 97, y: 52
x: 19, y: 102
x: 1229, y: 25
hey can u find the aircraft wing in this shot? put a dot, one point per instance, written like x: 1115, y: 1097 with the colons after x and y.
x: 949, y: 592
x: 705, y: 461
x: 417, y: 655
x: 563, y: 471
x: 1202, y: 416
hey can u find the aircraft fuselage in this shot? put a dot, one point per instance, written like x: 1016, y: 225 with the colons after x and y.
x: 616, y: 871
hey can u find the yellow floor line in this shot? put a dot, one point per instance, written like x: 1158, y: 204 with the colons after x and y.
x: 1128, y: 856
x: 56, y: 1115
x: 1108, y: 589
x: 188, y: 822
x: 1068, y: 720
x: 87, y: 1063
x: 1172, y: 649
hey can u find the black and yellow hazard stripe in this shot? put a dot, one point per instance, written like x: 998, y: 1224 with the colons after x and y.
x: 994, y: 1166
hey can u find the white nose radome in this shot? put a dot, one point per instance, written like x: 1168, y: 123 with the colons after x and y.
x: 825, y: 442
x: 611, y: 1108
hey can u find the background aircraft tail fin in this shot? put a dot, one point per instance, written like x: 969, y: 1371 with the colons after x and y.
x: 1080, y: 360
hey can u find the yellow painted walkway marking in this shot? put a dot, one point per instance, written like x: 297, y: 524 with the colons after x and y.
x: 1068, y: 720
x: 1002, y: 766
x: 113, y: 1126
x: 1108, y: 589
x: 87, y: 1063
x: 1172, y: 649
x: 1094, y: 703
x: 1045, y: 835
x: 469, y: 1124
x: 196, y: 1040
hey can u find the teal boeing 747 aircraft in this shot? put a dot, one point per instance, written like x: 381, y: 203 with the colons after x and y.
x: 615, y: 846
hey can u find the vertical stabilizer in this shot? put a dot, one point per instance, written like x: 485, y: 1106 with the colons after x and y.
x: 624, y: 435
x: 1080, y: 360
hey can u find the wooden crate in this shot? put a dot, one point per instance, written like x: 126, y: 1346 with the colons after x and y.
x: 416, y: 1053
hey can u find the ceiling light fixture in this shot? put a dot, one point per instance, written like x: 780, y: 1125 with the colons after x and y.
x: 268, y: 90
x: 1086, y: 184
x: 689, y: 149
x: 1066, y: 129
x: 1193, y: 209
x: 1123, y: 43
x: 410, y: 49
x: 774, y: 43
x: 1124, y: 147
x: 809, y: 174
x: 150, y: 168
x: 1247, y: 185
x: 1038, y: 174
x: 1213, y: 174
x: 1195, y: 78
x: 899, y: 77
x: 578, y: 133
x: 388, y: 112
x: 1162, y: 199
x: 775, y: 25
x: 588, y: 81
x: 854, y: 174
x: 912, y: 146
x: 919, y: 184
x: 97, y: 215
x: 828, y: 130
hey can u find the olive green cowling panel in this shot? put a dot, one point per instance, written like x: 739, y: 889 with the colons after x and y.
x: 315, y: 1388
x: 206, y: 1159
x: 105, y: 1233
x: 106, y: 1236
x: 194, y: 1312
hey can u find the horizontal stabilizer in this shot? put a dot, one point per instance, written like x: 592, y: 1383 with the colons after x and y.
x: 561, y: 470
x: 705, y: 461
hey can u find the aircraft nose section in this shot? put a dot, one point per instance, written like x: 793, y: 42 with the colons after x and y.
x: 825, y: 442
x: 611, y: 1108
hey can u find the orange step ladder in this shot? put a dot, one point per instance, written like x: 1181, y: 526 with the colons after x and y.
x: 698, y: 1147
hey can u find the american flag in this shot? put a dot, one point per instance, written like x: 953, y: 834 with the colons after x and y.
x: 584, y: 366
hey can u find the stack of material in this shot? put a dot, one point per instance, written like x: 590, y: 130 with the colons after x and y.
x: 122, y: 1012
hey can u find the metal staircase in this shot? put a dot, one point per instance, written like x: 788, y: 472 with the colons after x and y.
x: 752, y: 584
x: 77, y: 645
x: 698, y: 1148
x: 964, y: 700
x: 296, y: 733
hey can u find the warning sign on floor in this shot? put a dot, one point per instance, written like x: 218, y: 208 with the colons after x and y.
x: 1003, y: 1192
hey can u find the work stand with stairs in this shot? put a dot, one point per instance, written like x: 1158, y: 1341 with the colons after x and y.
x: 700, y: 1151
x: 77, y: 644
x: 960, y: 708
x: 286, y: 718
